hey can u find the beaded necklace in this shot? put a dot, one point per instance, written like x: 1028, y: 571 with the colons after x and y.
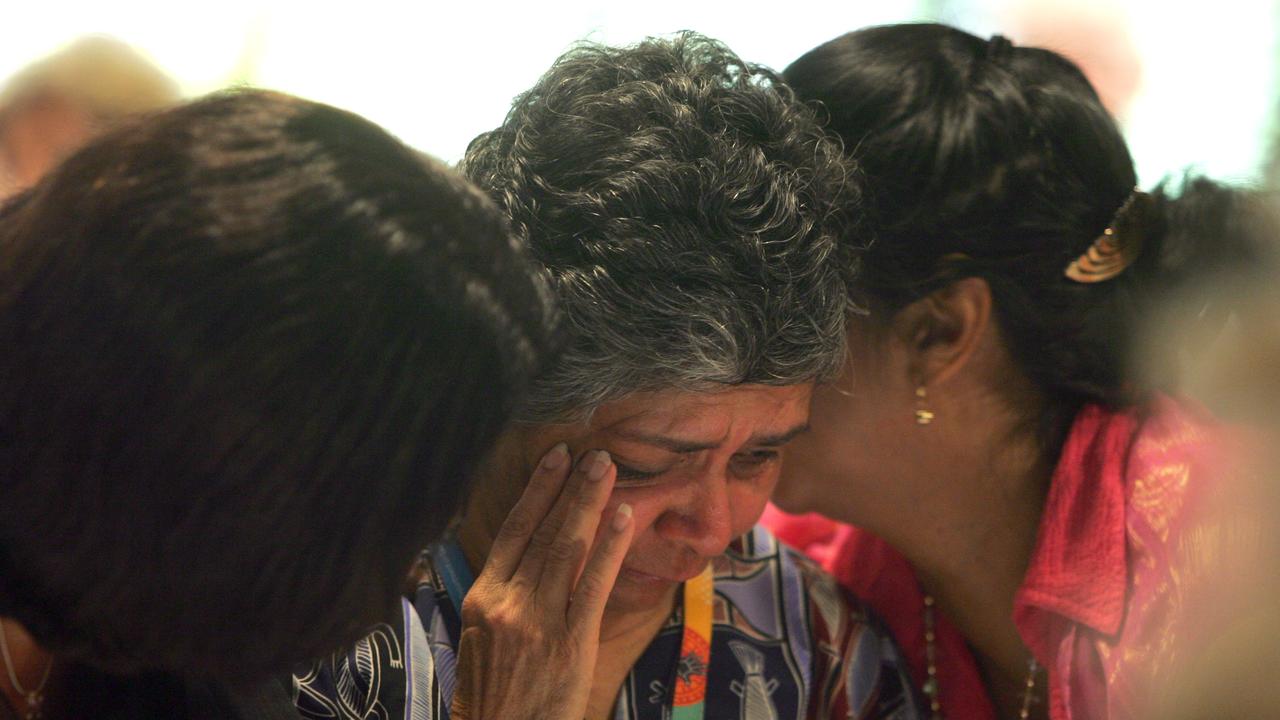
x: 931, y: 688
x: 33, y: 696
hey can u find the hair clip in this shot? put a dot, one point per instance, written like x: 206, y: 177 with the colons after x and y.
x: 1117, y: 247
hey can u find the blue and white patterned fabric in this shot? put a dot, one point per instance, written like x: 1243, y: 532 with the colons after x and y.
x: 787, y: 643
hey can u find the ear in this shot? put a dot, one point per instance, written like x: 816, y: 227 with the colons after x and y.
x: 942, y: 331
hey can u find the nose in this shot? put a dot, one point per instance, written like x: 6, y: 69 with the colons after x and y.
x: 699, y: 518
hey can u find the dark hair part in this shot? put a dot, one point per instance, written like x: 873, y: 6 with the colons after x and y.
x: 253, y: 349
x: 687, y: 210
x: 985, y: 159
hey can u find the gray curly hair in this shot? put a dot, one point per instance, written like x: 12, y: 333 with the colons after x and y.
x: 686, y: 209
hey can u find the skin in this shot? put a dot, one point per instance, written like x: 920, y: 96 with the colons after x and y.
x: 960, y: 497
x: 29, y: 664
x: 36, y: 136
x: 697, y: 470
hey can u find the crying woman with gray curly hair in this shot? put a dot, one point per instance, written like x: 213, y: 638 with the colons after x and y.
x: 686, y: 210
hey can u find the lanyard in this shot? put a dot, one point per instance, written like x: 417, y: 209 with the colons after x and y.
x: 689, y: 691
x: 688, y: 699
x: 452, y: 566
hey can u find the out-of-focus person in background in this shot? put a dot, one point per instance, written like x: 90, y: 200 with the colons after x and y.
x: 1233, y: 365
x: 53, y: 106
x: 1014, y: 485
x: 1093, y: 34
x: 253, y: 347
x: 687, y: 211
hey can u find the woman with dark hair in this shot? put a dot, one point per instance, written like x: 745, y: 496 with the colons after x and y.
x: 252, y: 347
x: 1023, y: 497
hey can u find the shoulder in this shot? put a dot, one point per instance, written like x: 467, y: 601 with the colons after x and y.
x: 265, y: 699
x: 1194, y: 518
x: 797, y: 581
x: 861, y: 562
x: 1182, y: 460
x: 811, y: 532
x: 367, y: 679
x: 856, y: 667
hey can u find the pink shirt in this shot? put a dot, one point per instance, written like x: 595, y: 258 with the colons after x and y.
x: 1120, y: 552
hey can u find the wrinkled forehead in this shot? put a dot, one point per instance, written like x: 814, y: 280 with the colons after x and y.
x: 674, y: 410
x: 680, y: 422
x: 685, y: 421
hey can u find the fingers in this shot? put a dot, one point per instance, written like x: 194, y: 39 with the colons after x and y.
x: 465, y: 690
x: 581, y: 493
x: 565, y: 556
x: 599, y: 575
x: 529, y: 513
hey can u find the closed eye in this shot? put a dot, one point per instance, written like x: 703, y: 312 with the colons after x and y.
x: 754, y: 462
x: 628, y: 475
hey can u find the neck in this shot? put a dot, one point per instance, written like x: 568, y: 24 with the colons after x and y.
x: 25, y: 660
x: 970, y: 536
x: 623, y: 639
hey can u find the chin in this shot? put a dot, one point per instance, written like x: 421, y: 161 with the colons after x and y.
x: 633, y: 593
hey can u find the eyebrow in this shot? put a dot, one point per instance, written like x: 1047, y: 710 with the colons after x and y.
x: 782, y: 439
x: 676, y: 445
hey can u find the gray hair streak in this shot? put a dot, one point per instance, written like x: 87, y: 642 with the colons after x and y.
x: 687, y: 211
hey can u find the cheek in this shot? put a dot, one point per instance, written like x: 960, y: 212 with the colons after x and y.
x: 857, y: 419
x: 646, y: 507
x: 836, y: 406
x: 747, y: 502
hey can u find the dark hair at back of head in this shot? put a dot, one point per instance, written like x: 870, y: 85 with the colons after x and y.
x: 991, y: 160
x: 253, y: 349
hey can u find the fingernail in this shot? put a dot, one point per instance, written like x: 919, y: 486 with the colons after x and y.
x: 555, y: 457
x: 599, y: 465
x: 621, y: 517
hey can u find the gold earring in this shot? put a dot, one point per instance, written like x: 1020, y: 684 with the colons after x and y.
x: 924, y: 415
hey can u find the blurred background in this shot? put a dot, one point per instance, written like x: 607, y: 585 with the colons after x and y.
x: 1194, y: 83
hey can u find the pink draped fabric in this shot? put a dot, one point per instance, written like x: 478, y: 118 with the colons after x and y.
x: 1122, y: 545
x: 872, y: 570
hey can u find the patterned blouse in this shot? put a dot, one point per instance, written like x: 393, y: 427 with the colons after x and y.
x: 786, y: 643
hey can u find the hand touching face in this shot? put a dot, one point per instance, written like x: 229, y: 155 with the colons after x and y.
x: 696, y: 469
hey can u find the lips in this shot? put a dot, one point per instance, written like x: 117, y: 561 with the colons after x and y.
x: 668, y: 577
